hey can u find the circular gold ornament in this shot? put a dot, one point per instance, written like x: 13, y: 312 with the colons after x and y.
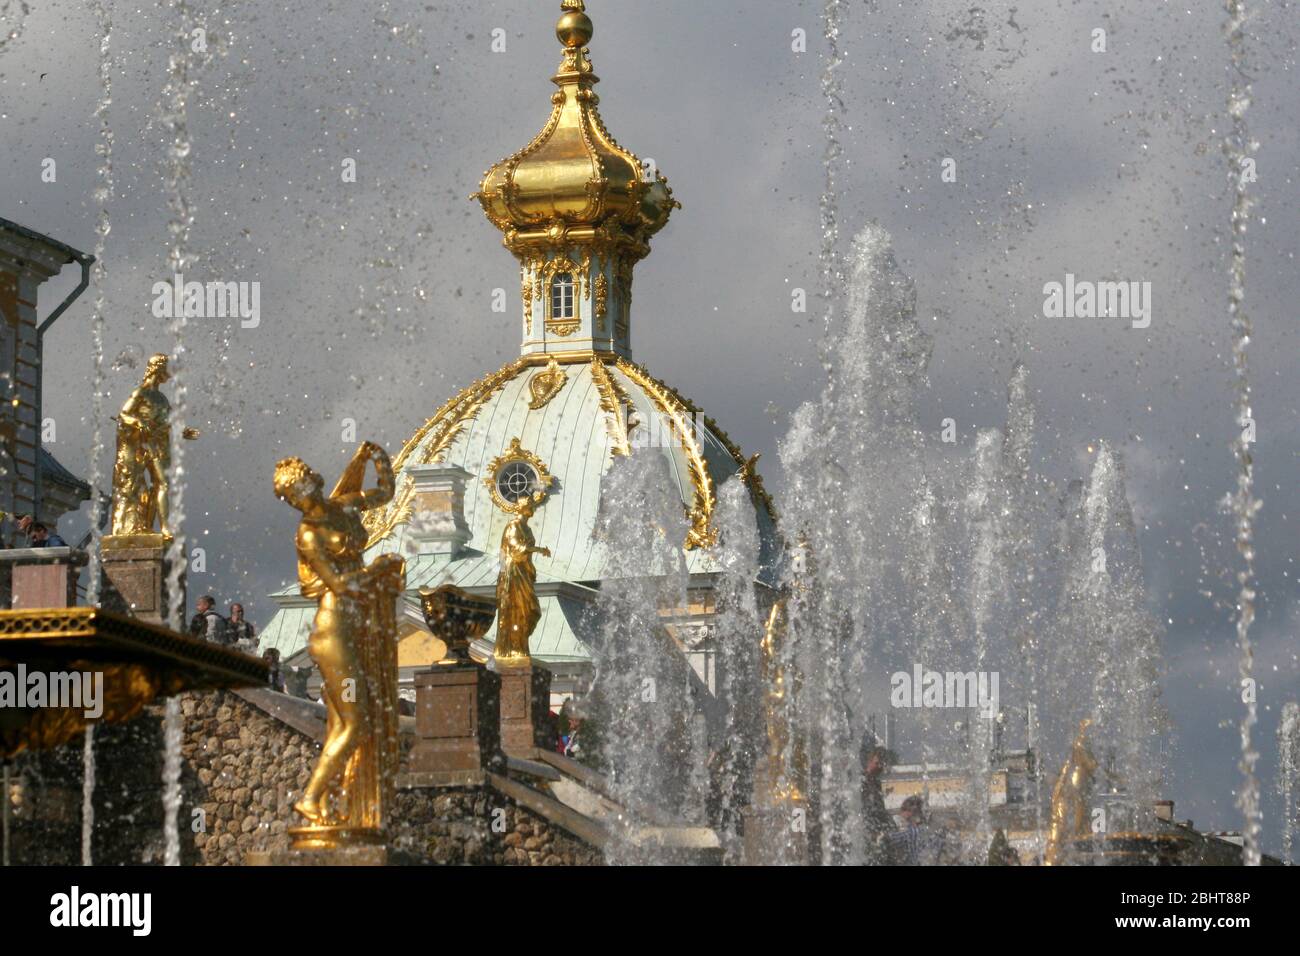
x: 515, y: 475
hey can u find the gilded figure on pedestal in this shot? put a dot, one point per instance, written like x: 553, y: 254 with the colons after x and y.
x: 353, y: 642
x: 518, y: 609
x: 143, y: 458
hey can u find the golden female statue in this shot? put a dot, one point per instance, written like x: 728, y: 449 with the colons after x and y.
x: 144, y: 455
x: 518, y: 609
x: 1070, y: 796
x: 353, y: 642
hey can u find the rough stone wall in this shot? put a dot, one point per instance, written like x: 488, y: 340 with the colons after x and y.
x: 478, y: 826
x: 242, y: 771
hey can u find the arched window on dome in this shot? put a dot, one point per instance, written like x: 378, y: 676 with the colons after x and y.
x: 562, y: 306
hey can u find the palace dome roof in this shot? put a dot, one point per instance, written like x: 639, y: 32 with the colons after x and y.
x: 576, y: 435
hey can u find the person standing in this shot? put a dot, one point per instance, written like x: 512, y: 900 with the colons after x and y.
x: 207, y: 623
x: 275, y: 677
x: 915, y: 844
x: 243, y: 633
x: 42, y: 537
x: 877, y: 820
x: 572, y: 748
x: 17, y: 523
x: 22, y: 527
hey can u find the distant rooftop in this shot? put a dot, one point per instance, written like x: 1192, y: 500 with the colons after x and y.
x: 73, y: 255
x: 52, y: 470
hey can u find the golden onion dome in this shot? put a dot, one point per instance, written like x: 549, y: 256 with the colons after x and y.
x: 574, y: 184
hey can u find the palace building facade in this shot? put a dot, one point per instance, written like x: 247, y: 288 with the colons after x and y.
x: 31, y: 480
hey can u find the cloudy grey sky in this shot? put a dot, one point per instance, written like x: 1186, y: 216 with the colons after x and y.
x: 376, y: 296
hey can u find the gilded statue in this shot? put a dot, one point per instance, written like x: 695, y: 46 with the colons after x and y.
x: 1070, y: 796
x: 782, y: 777
x: 518, y: 609
x: 353, y: 643
x: 144, y: 455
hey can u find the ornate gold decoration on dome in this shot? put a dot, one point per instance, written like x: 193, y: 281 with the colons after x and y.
x: 568, y: 357
x: 515, y: 452
x: 623, y: 274
x: 613, y: 399
x: 601, y: 299
x: 546, y: 384
x: 526, y: 293
x: 440, y: 430
x: 748, y: 468
x: 574, y: 185
x: 675, y: 409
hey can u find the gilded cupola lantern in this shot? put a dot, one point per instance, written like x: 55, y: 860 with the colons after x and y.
x: 578, y: 211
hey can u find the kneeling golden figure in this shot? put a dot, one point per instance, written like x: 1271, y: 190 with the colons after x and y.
x: 354, y: 643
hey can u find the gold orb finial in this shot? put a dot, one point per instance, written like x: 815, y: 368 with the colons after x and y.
x: 575, y: 28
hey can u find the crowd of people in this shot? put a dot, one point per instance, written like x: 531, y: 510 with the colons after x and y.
x: 234, y: 631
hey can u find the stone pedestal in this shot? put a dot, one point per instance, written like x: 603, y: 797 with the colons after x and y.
x: 42, y: 577
x: 525, y: 703
x: 135, y: 576
x: 337, y: 856
x: 456, y: 729
x: 776, y: 836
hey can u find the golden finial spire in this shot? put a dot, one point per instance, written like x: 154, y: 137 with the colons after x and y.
x: 574, y: 183
x: 575, y: 31
x: 576, y: 208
